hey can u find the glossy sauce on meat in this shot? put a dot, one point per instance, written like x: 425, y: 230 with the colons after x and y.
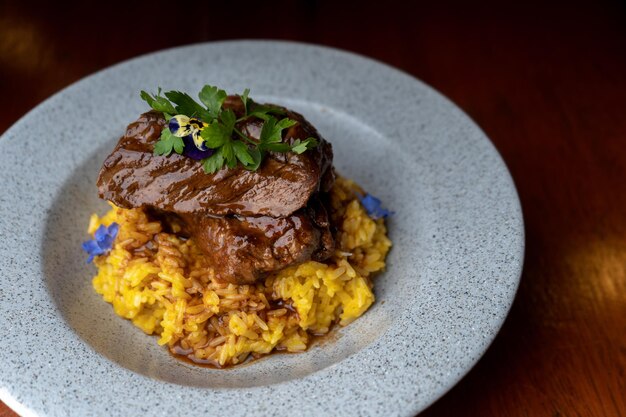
x: 249, y: 223
x: 133, y: 177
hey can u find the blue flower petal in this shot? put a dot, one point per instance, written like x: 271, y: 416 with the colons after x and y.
x: 373, y: 206
x: 370, y: 203
x: 91, y: 246
x: 101, y: 233
x: 102, y: 241
x: 107, y: 243
x: 114, y: 228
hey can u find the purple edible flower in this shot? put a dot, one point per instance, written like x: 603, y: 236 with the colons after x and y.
x: 374, y: 208
x: 102, y: 242
x: 174, y: 125
x: 193, y: 152
x: 182, y: 126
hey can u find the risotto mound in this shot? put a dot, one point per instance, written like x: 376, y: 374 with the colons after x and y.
x: 165, y: 286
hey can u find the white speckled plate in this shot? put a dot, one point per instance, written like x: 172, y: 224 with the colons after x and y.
x: 452, y: 273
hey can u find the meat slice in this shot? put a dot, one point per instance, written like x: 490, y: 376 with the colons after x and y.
x: 247, y: 223
x: 244, y: 249
x: 132, y: 176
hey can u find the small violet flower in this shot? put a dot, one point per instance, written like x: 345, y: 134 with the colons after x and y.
x: 374, y: 208
x: 182, y: 126
x: 190, y: 151
x: 102, y: 242
x: 189, y: 129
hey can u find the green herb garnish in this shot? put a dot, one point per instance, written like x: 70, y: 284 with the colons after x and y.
x: 167, y: 143
x: 213, y: 130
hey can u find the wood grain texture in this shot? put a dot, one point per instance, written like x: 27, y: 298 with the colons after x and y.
x: 547, y: 83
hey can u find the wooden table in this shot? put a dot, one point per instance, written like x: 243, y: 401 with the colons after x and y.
x: 546, y: 83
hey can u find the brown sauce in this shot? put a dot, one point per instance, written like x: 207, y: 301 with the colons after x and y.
x: 316, y: 340
x: 275, y: 305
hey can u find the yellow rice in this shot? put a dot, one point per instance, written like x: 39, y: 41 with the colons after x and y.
x: 165, y: 286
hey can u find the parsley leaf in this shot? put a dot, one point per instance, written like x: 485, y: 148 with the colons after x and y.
x: 241, y: 152
x: 277, y: 147
x: 229, y: 154
x: 285, y: 123
x: 229, y: 119
x: 179, y: 144
x: 272, y: 130
x: 158, y: 103
x: 168, y: 142
x: 303, y: 146
x: 266, y: 131
x: 257, y: 157
x: 214, y: 135
x: 244, y: 98
x: 188, y: 106
x: 263, y: 111
x: 213, y: 98
x: 214, y: 162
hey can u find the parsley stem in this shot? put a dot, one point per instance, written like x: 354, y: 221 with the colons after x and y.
x: 247, y: 139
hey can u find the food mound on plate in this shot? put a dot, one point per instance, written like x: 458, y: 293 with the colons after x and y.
x: 229, y: 234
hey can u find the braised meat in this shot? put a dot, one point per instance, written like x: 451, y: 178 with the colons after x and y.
x: 244, y: 249
x: 133, y: 177
x: 249, y: 223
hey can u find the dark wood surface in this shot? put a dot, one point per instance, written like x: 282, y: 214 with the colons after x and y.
x: 547, y: 83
